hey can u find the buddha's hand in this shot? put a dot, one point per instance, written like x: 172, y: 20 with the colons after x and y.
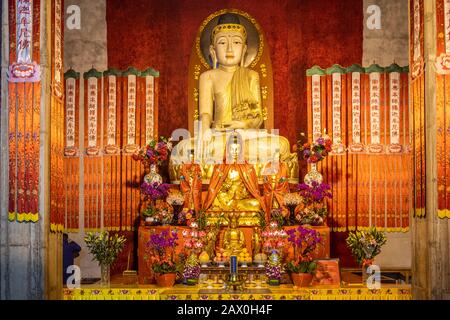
x: 235, y: 124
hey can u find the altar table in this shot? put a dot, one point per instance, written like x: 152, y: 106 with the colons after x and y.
x: 145, y: 274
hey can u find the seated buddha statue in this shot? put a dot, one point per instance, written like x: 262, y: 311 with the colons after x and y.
x: 230, y: 103
x: 233, y: 195
x: 233, y: 238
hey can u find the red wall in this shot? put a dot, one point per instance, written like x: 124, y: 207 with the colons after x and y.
x: 300, y: 34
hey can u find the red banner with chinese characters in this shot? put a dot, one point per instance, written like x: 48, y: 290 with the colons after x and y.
x: 120, y: 116
x: 72, y: 150
x: 365, y: 112
x: 92, y: 146
x: 24, y: 110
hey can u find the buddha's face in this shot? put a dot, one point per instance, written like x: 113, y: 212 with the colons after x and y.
x: 229, y: 48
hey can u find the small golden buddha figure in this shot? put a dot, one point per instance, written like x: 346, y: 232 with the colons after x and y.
x: 233, y: 238
x: 233, y: 194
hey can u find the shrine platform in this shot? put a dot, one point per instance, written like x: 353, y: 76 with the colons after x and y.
x: 347, y: 291
x: 283, y: 292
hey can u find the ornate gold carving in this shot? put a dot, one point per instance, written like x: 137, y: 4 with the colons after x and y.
x: 196, y: 95
x: 196, y: 114
x: 264, y: 113
x: 264, y: 92
x: 263, y: 70
x: 196, y: 71
x: 229, y: 27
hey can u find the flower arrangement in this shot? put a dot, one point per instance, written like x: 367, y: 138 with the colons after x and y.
x: 315, y: 208
x: 316, y: 151
x: 104, y: 247
x: 191, y: 268
x: 160, y: 212
x: 305, y: 242
x: 161, y: 250
x: 273, y: 268
x: 365, y: 245
x: 273, y: 237
x: 278, y: 215
x: 175, y: 198
x: 155, y: 191
x: 155, y: 152
x: 185, y: 216
x: 316, y: 192
x: 193, y: 239
x: 194, y: 242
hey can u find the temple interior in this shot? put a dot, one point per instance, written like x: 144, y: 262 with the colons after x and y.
x: 227, y: 149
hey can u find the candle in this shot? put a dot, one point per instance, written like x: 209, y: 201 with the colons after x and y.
x: 233, y: 264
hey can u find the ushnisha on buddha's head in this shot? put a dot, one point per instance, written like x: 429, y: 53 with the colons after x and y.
x: 228, y: 41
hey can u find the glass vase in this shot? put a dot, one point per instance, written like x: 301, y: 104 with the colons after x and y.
x: 105, y: 276
x: 313, y: 175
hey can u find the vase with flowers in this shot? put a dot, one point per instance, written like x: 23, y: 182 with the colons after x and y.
x: 314, y: 209
x: 365, y: 245
x: 313, y: 153
x: 302, y: 267
x: 154, y: 154
x: 105, y: 249
x: 160, y: 251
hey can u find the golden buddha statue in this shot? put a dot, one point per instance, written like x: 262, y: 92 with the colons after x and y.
x: 233, y: 238
x: 233, y: 195
x: 229, y: 104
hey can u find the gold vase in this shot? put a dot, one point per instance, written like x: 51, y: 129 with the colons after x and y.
x: 313, y: 175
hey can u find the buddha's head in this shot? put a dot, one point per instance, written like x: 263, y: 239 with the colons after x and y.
x: 228, y: 41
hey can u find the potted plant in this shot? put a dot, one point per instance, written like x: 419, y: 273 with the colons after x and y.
x: 365, y: 245
x: 104, y: 249
x: 161, y: 251
x: 305, y: 242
